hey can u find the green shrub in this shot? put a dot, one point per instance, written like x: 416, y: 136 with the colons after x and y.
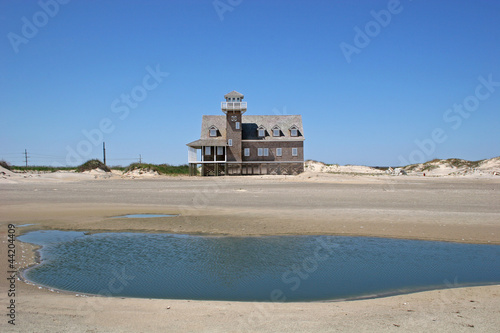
x: 91, y: 165
x: 162, y: 169
x: 5, y: 165
x: 39, y: 168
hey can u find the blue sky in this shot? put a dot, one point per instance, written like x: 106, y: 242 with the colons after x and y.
x: 376, y: 82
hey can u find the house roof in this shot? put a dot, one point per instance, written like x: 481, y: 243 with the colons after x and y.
x: 249, y: 127
x: 251, y: 123
x: 234, y: 94
x: 207, y: 142
x: 209, y: 121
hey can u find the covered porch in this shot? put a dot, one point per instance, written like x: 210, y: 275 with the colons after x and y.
x: 208, y: 157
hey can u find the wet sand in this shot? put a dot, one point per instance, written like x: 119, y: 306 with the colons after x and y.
x: 448, y: 208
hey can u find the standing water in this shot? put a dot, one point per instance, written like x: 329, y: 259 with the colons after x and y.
x: 272, y: 268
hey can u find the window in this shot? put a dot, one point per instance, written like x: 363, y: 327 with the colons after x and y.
x: 230, y: 142
x: 276, y: 130
x: 294, y: 132
x: 279, y: 152
x: 247, y: 151
x: 262, y: 132
x: 237, y: 125
x: 208, y: 151
x: 295, y: 152
x: 220, y: 150
x: 263, y: 151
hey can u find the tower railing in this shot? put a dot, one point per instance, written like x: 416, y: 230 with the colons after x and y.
x: 233, y: 106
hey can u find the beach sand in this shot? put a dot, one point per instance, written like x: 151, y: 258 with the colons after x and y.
x: 454, y: 208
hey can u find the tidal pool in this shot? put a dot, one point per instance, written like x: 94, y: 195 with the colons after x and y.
x: 271, y: 268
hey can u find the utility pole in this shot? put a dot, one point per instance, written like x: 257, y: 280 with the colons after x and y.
x: 26, y: 156
x: 140, y: 159
x: 104, y: 152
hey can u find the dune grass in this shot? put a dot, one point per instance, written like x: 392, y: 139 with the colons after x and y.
x: 162, y: 169
x: 33, y: 168
x: 91, y: 165
x: 5, y: 165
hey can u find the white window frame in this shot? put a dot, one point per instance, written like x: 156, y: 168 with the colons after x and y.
x: 294, y: 132
x: 220, y: 150
x: 230, y: 142
x: 237, y: 125
x: 213, y: 132
x: 262, y: 132
x: 260, y: 151
x: 276, y: 132
x: 266, y: 151
x: 246, y: 151
x: 208, y: 150
x: 279, y: 152
x: 295, y: 151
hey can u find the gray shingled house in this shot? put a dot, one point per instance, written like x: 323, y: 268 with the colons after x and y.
x: 237, y: 144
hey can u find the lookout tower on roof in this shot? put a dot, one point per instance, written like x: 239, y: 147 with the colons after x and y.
x: 234, y: 102
x: 234, y: 108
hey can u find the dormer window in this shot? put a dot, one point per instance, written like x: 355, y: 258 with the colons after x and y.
x: 276, y: 131
x: 213, y: 131
x: 261, y: 131
x: 294, y: 131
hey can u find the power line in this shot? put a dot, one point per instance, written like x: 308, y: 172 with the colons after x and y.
x: 45, y: 158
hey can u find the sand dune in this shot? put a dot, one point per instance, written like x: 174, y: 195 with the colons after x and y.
x: 313, y: 170
x: 437, y: 168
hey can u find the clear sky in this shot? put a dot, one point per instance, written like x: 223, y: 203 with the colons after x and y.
x: 376, y: 82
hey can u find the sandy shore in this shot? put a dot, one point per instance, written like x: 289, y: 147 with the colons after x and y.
x: 463, y: 209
